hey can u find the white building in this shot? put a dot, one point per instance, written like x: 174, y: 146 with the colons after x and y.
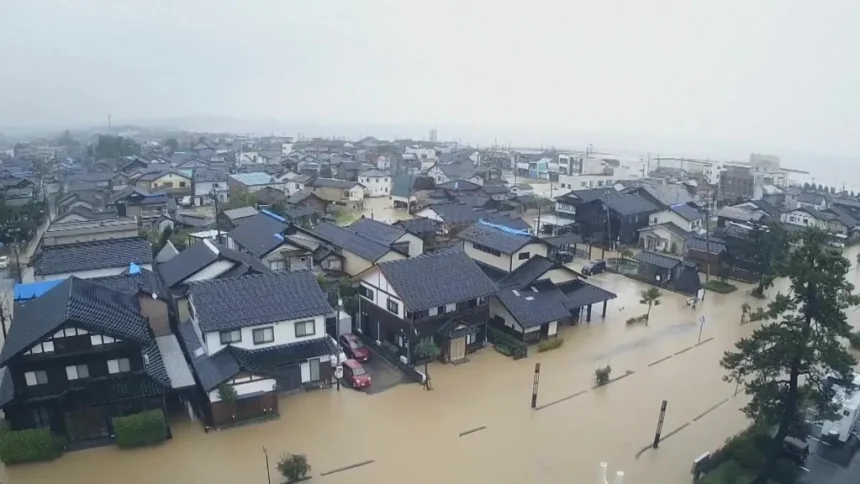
x: 421, y: 153
x: 376, y: 183
x: 209, y: 184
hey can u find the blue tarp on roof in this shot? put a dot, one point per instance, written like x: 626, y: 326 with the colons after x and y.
x: 33, y: 290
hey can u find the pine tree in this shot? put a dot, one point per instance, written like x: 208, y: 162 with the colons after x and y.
x: 785, y: 364
x: 768, y: 246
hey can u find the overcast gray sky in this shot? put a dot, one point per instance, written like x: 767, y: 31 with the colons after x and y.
x: 779, y: 73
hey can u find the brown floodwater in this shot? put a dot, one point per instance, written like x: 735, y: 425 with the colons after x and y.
x: 412, y: 435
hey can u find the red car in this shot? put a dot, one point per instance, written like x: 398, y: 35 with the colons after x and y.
x: 354, y: 347
x: 355, y: 374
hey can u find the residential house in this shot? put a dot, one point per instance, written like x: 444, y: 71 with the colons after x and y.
x: 424, y: 228
x: 349, y: 170
x: 70, y: 232
x: 405, y: 191
x: 761, y: 210
x: 296, y: 183
x: 81, y: 354
x: 627, y: 213
x: 307, y: 199
x: 665, y: 271
x: 665, y: 237
x: 357, y: 251
x: 244, y: 183
x: 376, y: 183
x: 455, y: 217
x: 522, y: 189
x: 177, y: 183
x: 737, y: 183
x: 442, y: 296
x: 82, y: 214
x: 349, y: 194
x: 498, y: 193
x: 709, y: 253
x: 268, y: 197
x: 806, y: 216
x: 260, y: 334
x: 812, y: 200
x: 262, y: 236
x: 210, y: 185
x: 664, y: 195
x: 398, y: 238
x: 541, y: 295
x: 94, y: 200
x: 145, y: 206
x: 565, y: 204
x: 740, y: 215
x: 500, y: 247
x: 92, y: 259
x: 74, y: 182
x: 237, y: 215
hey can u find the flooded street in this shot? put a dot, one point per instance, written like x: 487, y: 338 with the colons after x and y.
x: 412, y: 435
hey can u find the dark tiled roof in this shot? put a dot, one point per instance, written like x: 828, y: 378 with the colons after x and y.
x: 497, y: 237
x: 701, y: 244
x: 495, y: 189
x: 87, y: 214
x: 767, y: 208
x: 844, y: 217
x: 241, y: 213
x: 493, y: 273
x: 580, y: 293
x: 199, y: 255
x: 87, y: 256
x: 456, y: 214
x: 813, y: 198
x: 433, y: 280
x: 584, y: 196
x: 7, y: 387
x: 351, y: 241
x: 419, y: 226
x: 536, y: 304
x: 629, y: 203
x: 659, y: 260
x: 566, y: 239
x: 459, y: 186
x: 475, y: 201
x: 237, y: 302
x: 528, y: 272
x: 207, y: 175
x: 687, y: 212
x: 212, y: 370
x: 257, y: 234
x: 378, y: 231
x: 671, y: 227
x: 89, y: 306
x: 131, y: 284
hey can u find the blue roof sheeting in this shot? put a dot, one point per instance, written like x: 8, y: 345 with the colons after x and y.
x: 33, y: 290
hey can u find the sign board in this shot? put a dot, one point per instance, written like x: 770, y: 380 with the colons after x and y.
x: 338, y: 372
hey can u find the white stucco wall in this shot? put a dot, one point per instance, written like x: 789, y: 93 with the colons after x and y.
x: 376, y: 282
x: 558, y: 276
x: 416, y: 244
x: 502, y: 261
x: 211, y: 271
x: 499, y: 309
x: 665, y: 216
x: 284, y: 332
x: 376, y: 186
x: 246, y: 389
x: 532, y: 250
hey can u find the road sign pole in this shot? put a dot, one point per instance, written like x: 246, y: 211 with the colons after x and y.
x: 660, y: 424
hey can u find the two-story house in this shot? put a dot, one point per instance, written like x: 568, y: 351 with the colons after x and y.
x: 806, y: 216
x: 174, y: 182
x: 349, y: 194
x: 499, y: 249
x: 443, y: 296
x: 209, y: 185
x: 80, y: 354
x: 262, y: 236
x: 260, y: 334
x: 626, y: 214
x: 376, y: 183
x: 97, y: 258
x: 398, y: 238
x: 145, y: 206
x: 356, y: 252
x: 669, y: 229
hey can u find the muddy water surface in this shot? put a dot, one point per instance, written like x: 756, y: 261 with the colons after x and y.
x: 415, y: 436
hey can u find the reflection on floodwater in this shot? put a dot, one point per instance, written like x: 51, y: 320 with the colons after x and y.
x: 476, y: 426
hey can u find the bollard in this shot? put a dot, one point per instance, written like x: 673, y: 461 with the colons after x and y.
x: 535, y: 385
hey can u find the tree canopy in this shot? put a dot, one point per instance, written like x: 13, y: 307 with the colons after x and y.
x: 109, y: 146
x: 768, y: 246
x: 787, y: 364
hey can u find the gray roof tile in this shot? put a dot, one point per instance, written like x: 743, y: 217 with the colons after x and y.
x: 537, y: 304
x: 258, y: 234
x: 348, y: 240
x: 237, y: 302
x: 659, y: 260
x: 687, y: 212
x: 419, y: 226
x: 432, y: 280
x: 87, y: 256
x: 503, y: 239
x: 378, y: 231
x: 199, y: 255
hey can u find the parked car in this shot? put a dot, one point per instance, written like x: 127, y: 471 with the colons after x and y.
x: 354, y: 347
x: 563, y: 257
x: 4, y: 261
x: 594, y: 267
x: 355, y: 374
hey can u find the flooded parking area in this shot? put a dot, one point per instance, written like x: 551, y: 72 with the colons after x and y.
x: 476, y: 425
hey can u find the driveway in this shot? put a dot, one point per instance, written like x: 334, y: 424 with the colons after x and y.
x: 383, y: 374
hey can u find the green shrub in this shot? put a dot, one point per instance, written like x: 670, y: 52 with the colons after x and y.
x: 515, y: 346
x: 550, y: 344
x: 726, y: 473
x: 144, y: 428
x: 29, y: 445
x: 637, y: 319
x: 721, y: 287
x: 854, y: 339
x: 294, y: 467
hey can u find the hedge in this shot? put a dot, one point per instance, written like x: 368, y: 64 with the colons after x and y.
x: 144, y: 428
x: 517, y: 348
x: 550, y: 344
x: 720, y: 287
x: 31, y: 445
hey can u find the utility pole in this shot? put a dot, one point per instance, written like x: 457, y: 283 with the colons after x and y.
x: 608, y: 224
x: 708, y: 237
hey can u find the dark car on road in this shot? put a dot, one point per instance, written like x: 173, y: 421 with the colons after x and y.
x: 563, y: 257
x: 355, y: 374
x: 594, y: 267
x: 354, y: 347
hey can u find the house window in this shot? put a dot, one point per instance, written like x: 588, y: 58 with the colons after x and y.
x: 366, y: 292
x: 297, y: 186
x: 182, y: 184
x: 484, y: 248
x: 524, y: 256
x: 34, y: 378
x: 264, y: 335
x: 305, y: 328
x: 278, y: 265
x: 228, y: 337
x: 121, y: 365
x: 393, y: 306
x: 98, y: 339
x: 75, y: 372
x: 440, y: 310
